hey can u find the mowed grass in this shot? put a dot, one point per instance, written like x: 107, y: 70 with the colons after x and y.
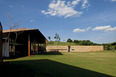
x: 62, y: 44
x: 65, y: 64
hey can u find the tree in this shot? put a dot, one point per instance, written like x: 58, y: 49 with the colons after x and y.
x: 84, y: 42
x: 11, y: 26
x: 114, y: 43
x: 110, y: 46
x: 57, y: 37
x: 76, y: 41
x: 69, y: 40
x: 49, y: 38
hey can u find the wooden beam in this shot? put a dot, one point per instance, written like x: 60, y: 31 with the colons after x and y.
x: 29, y: 45
x: 34, y: 46
x: 38, y: 48
x: 1, y: 43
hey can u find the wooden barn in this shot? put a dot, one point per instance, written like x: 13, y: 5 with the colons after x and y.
x: 23, y: 42
x: 0, y: 43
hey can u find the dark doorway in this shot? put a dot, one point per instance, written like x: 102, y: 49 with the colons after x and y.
x: 68, y: 48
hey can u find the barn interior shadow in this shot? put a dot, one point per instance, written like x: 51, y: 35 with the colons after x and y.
x: 45, y: 68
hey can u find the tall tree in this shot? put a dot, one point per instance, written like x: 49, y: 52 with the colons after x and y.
x: 11, y: 26
x: 57, y: 37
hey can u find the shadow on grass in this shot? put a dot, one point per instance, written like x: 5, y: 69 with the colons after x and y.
x: 12, y: 57
x: 51, y: 53
x: 45, y: 68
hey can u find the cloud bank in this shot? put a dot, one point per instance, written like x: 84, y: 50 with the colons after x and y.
x: 106, y: 28
x: 80, y: 30
x: 101, y: 27
x: 65, y: 8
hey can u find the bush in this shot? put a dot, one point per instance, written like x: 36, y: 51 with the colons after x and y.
x: 110, y: 46
x: 84, y: 42
x: 69, y: 40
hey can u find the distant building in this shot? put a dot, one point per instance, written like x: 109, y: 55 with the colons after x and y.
x: 23, y: 42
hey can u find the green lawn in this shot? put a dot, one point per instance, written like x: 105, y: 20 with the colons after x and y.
x: 62, y: 44
x: 72, y: 64
x: 69, y: 44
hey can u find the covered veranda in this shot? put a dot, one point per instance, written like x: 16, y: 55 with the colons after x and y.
x: 25, y: 42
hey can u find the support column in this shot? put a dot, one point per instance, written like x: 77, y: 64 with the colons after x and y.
x: 38, y: 48
x: 34, y: 52
x: 1, y: 43
x: 29, y: 45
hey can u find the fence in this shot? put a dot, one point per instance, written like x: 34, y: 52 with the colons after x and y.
x: 74, y: 48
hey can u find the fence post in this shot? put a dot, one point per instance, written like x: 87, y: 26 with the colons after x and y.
x: 1, y: 43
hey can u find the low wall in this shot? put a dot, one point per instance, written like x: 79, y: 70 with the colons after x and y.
x: 74, y: 48
x: 86, y: 48
x: 57, y: 48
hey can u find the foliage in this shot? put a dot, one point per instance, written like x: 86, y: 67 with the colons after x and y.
x: 84, y: 42
x: 57, y: 37
x: 49, y: 38
x: 74, y: 43
x: 110, y: 46
x: 61, y: 43
x: 69, y: 40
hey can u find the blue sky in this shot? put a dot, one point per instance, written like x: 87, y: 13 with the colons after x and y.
x: 93, y: 20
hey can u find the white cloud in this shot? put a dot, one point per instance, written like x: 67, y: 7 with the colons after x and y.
x: 64, y: 8
x: 107, y: 28
x: 85, y: 4
x: 101, y: 27
x: 10, y: 6
x: 75, y: 2
x: 110, y: 0
x: 110, y: 29
x: 80, y: 30
x: 113, y: 0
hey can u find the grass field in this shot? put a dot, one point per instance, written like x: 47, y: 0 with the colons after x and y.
x: 62, y: 44
x: 69, y: 44
x: 72, y: 64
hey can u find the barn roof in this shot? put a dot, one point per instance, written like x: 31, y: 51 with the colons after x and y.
x: 17, y: 30
x: 34, y: 32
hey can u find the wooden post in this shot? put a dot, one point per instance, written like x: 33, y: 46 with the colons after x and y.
x: 34, y: 48
x: 38, y: 48
x: 1, y: 43
x: 29, y: 45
